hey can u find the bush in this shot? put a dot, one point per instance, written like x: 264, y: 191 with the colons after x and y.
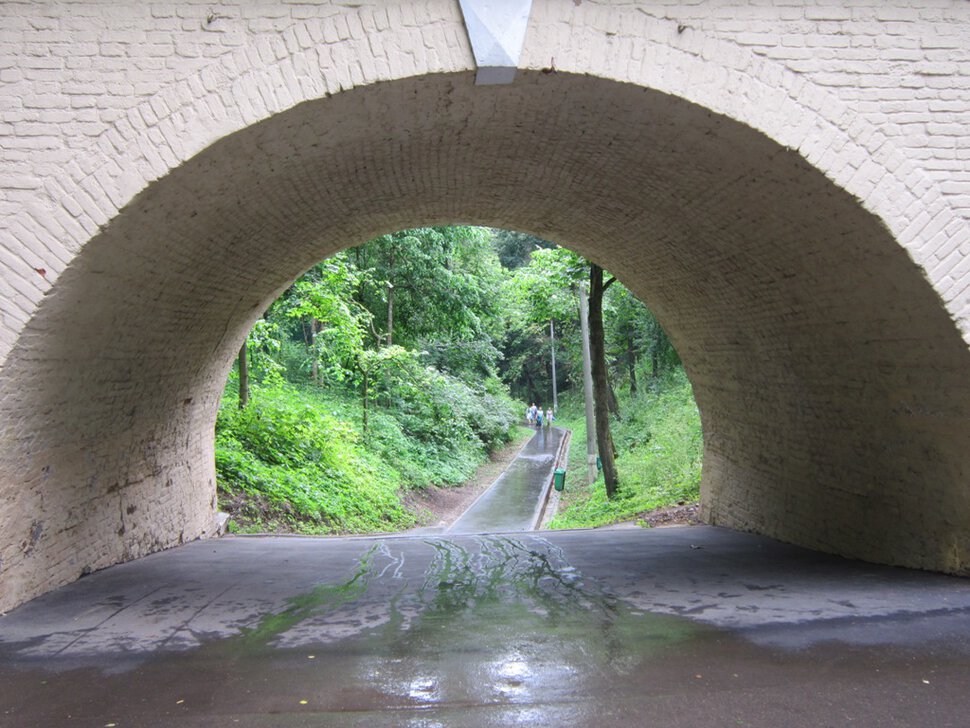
x: 296, y: 459
x: 442, y: 428
x: 304, y: 468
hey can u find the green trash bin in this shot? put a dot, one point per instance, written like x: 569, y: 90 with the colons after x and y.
x: 559, y: 479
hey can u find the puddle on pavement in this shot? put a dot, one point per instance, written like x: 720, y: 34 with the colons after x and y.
x: 509, y: 621
x: 473, y: 600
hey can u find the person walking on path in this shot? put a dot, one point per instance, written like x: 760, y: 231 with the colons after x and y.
x: 547, y: 420
x: 535, y: 412
x: 539, y: 418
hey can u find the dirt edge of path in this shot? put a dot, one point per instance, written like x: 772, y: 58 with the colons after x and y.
x: 683, y: 514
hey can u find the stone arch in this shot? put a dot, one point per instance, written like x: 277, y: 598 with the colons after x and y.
x: 667, y: 156
x: 312, y: 59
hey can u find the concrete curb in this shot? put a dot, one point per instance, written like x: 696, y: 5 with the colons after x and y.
x: 550, y: 499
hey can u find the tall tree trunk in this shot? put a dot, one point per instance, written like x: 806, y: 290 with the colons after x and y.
x: 243, y: 377
x: 601, y: 385
x: 631, y: 363
x: 314, y: 330
x: 390, y: 302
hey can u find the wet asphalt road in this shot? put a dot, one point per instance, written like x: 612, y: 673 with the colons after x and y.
x: 689, y: 627
x: 514, y: 501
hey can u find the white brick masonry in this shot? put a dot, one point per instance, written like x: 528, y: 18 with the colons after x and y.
x: 787, y: 184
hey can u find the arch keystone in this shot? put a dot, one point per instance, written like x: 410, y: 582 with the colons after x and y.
x: 496, y: 29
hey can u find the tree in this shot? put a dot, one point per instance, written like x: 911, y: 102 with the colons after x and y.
x: 243, y: 376
x: 535, y: 294
x: 601, y: 385
x: 632, y: 333
x: 515, y: 249
x: 626, y: 331
x: 438, y: 290
x: 338, y: 325
x: 663, y: 357
x: 263, y: 348
x: 370, y: 363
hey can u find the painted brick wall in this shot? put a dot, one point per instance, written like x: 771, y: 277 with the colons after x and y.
x: 903, y: 66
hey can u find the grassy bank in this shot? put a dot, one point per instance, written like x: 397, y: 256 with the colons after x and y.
x: 296, y: 459
x: 659, y: 464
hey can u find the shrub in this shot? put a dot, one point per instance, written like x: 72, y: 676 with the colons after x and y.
x: 304, y: 466
x: 296, y: 459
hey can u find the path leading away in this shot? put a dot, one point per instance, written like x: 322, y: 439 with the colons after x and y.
x: 676, y: 627
x: 514, y: 501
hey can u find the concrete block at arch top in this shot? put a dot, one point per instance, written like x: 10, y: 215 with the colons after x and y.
x: 496, y: 29
x: 783, y: 189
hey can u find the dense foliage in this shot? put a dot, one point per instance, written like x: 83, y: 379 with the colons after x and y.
x: 286, y: 463
x: 388, y: 367
x: 349, y: 409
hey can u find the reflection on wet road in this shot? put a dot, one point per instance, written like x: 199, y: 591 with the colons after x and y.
x: 514, y: 501
x: 681, y: 627
x: 504, y: 623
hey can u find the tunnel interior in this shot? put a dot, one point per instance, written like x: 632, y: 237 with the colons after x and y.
x: 830, y: 378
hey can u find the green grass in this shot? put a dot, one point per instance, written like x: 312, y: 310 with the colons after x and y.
x: 659, y: 464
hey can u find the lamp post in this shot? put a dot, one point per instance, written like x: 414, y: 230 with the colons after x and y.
x: 552, y: 341
x: 587, y: 386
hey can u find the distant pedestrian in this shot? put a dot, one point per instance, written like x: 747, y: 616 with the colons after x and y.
x: 539, y: 417
x: 530, y: 414
x: 547, y: 420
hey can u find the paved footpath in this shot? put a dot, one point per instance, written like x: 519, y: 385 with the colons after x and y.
x: 514, y: 501
x: 682, y: 627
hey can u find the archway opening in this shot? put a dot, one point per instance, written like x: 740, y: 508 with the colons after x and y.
x: 390, y: 386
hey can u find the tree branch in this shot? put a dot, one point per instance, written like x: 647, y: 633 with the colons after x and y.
x: 609, y: 283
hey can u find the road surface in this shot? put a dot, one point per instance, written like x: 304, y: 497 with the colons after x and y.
x: 677, y: 627
x: 514, y: 501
